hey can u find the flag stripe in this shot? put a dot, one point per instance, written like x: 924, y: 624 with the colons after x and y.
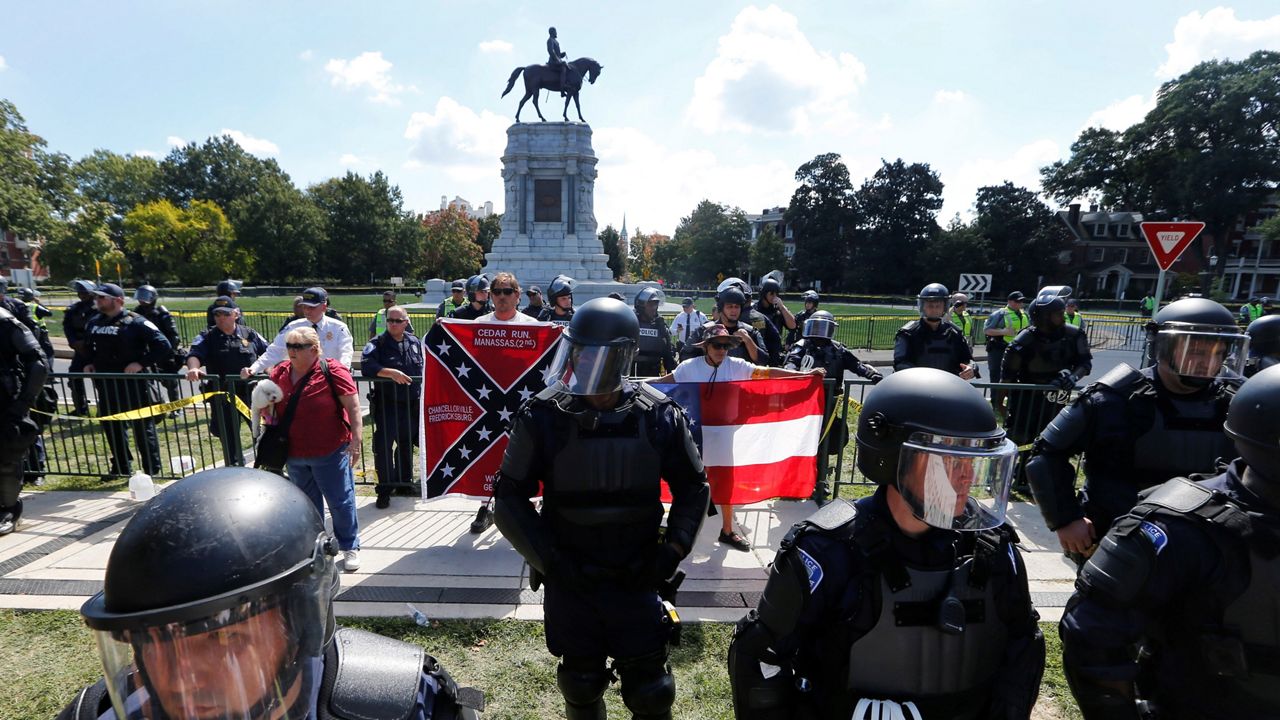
x: 760, y: 443
x: 760, y: 401
x: 793, y: 477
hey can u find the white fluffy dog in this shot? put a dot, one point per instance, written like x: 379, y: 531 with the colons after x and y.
x: 265, y: 394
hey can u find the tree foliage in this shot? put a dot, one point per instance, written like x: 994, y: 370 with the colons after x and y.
x: 190, y: 246
x: 26, y: 205
x: 369, y: 233
x: 122, y: 181
x: 282, y: 229
x: 450, y: 248
x: 490, y: 229
x: 714, y: 238
x: 897, y: 209
x: 218, y: 170
x: 957, y: 248
x: 611, y: 241
x: 822, y: 217
x: 71, y: 250
x: 1024, y: 235
x: 768, y: 253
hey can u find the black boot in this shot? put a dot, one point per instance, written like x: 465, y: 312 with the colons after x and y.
x: 483, y: 521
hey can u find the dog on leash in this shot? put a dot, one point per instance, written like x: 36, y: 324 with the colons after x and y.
x: 265, y: 394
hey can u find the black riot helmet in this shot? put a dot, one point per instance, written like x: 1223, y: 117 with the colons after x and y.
x: 935, y: 438
x: 229, y: 287
x: 82, y: 287
x: 931, y: 292
x: 1264, y: 336
x: 643, y: 299
x: 770, y: 285
x: 1048, y: 309
x: 562, y: 285
x: 1253, y: 423
x: 475, y: 284
x: 1198, y: 339
x: 146, y: 294
x: 597, y: 350
x: 810, y: 296
x: 27, y: 294
x: 730, y: 296
x: 821, y: 325
x: 735, y: 282
x: 219, y: 592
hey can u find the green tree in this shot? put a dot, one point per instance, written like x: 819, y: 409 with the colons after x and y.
x: 71, y: 252
x: 449, y: 241
x: 25, y: 206
x: 281, y: 228
x: 898, y: 208
x: 1025, y: 237
x: 768, y: 253
x: 612, y: 243
x: 957, y: 248
x: 122, y: 181
x: 668, y: 257
x: 716, y: 238
x: 490, y: 229
x: 369, y: 233
x: 822, y: 216
x: 192, y: 245
x: 1100, y: 166
x: 218, y: 170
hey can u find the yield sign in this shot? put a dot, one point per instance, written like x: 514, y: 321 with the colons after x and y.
x: 1168, y: 239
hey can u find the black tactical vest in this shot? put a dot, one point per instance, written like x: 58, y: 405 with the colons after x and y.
x: 1045, y: 357
x: 653, y: 340
x: 933, y: 349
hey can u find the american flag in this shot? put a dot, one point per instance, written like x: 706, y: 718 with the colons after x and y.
x: 477, y: 375
x: 759, y: 438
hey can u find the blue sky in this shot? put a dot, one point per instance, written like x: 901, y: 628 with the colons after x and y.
x: 717, y: 100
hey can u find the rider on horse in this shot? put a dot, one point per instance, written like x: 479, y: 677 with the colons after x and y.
x: 555, y: 59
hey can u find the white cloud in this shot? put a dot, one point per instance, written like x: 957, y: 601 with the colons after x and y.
x: 495, y: 46
x: 1216, y: 34
x: 3, y: 65
x: 351, y: 160
x: 1121, y: 114
x: 306, y: 55
x: 257, y: 146
x: 766, y: 76
x: 368, y: 69
x: 146, y: 153
x: 456, y: 135
x: 175, y: 141
x: 1021, y: 168
x: 949, y: 97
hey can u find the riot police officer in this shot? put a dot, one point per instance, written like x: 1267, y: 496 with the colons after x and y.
x: 396, y: 355
x: 756, y: 319
x: 122, y: 341
x: 75, y: 324
x: 148, y: 307
x: 930, y: 342
x: 1264, y: 344
x: 771, y: 306
x: 1174, y: 615
x: 811, y: 301
x: 560, y: 294
x: 229, y: 614
x: 910, y: 603
x: 654, y: 351
x: 730, y: 304
x: 19, y: 310
x: 1138, y: 428
x: 47, y: 400
x: 1049, y: 352
x: 226, y: 288
x: 597, y: 445
x: 31, y: 298
x: 218, y: 354
x: 819, y: 348
x: 477, y: 299
x: 23, y: 369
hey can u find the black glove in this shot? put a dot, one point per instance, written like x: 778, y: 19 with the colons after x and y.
x: 666, y: 560
x: 1066, y: 379
x: 875, y: 377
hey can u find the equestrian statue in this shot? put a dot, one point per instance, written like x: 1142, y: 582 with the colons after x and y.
x: 556, y: 76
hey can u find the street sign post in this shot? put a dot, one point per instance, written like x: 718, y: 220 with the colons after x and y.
x: 974, y: 283
x: 1167, y: 241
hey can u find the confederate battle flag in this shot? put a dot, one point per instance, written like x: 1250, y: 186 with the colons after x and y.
x: 477, y: 375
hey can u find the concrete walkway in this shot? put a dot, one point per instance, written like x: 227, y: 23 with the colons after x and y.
x: 423, y: 553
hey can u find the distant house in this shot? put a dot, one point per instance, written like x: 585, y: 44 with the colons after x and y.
x: 1252, y: 265
x: 1110, y: 259
x: 460, y: 203
x: 20, y: 253
x: 772, y: 218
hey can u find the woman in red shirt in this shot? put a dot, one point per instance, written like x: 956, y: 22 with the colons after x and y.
x: 325, y: 435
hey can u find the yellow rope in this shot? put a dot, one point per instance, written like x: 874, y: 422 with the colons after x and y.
x: 151, y: 411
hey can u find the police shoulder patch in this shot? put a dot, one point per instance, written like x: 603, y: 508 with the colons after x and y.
x: 812, y: 568
x: 1155, y: 534
x: 369, y: 347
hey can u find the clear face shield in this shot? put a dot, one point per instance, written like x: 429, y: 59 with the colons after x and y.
x: 819, y: 328
x: 1202, y: 353
x: 931, y: 308
x: 260, y: 659
x: 590, y: 369
x: 957, y: 483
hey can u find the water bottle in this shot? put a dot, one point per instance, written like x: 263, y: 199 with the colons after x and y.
x: 418, y: 616
x: 140, y: 487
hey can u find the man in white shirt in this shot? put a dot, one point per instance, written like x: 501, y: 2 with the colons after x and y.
x: 716, y: 365
x: 683, y: 327
x: 504, y: 291
x: 335, y: 338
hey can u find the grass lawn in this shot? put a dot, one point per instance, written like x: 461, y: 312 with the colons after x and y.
x: 50, y: 655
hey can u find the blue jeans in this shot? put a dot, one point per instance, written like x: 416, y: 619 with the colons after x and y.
x: 328, y: 478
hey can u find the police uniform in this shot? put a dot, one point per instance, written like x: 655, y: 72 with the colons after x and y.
x: 75, y: 324
x: 1134, y: 434
x: 394, y: 407
x: 446, y: 308
x: 918, y: 345
x: 223, y: 356
x: 160, y: 316
x: 23, y: 369
x: 856, y: 610
x: 113, y: 344
x: 1008, y: 318
x: 549, y: 315
x: 654, y: 353
x: 963, y: 322
x: 378, y: 324
x: 794, y: 334
x: 768, y: 333
x: 598, y: 539
x: 208, y: 315
x: 1036, y: 358
x: 469, y: 311
x: 776, y: 319
x: 19, y: 310
x: 1191, y: 575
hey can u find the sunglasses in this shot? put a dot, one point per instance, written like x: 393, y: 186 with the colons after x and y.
x: 298, y: 346
x: 721, y: 346
x: 503, y: 291
x: 397, y: 321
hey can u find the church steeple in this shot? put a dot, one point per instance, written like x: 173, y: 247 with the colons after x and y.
x: 622, y: 238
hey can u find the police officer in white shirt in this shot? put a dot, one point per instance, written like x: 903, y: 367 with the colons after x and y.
x: 335, y: 338
x: 683, y: 327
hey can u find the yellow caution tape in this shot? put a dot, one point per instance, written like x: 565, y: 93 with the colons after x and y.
x: 151, y: 411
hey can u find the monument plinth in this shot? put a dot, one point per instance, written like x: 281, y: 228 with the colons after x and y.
x: 548, y: 221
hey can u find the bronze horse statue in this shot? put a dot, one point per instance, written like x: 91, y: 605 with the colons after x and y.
x: 545, y: 77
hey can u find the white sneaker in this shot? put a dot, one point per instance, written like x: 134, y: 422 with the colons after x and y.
x: 350, y: 560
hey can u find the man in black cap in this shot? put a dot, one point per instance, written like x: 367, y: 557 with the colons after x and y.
x: 122, y: 341
x: 226, y: 288
x: 1001, y: 327
x: 335, y: 338
x: 221, y: 352
x: 457, y: 298
x: 534, y: 307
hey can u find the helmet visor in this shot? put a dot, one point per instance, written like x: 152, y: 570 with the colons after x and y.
x: 248, y: 661
x: 1203, y: 354
x: 931, y: 308
x: 819, y: 328
x: 590, y: 369
x: 957, y: 483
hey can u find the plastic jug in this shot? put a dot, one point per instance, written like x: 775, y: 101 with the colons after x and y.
x: 140, y: 487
